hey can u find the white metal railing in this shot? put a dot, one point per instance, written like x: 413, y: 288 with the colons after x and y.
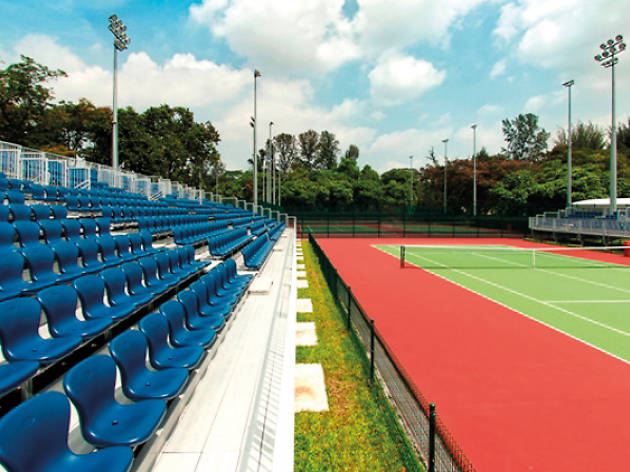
x: 614, y: 227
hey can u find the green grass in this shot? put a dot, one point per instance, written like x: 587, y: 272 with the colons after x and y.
x: 585, y: 299
x: 360, y: 432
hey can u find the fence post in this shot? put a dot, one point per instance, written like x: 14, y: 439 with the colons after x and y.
x: 371, y: 350
x: 349, y: 302
x: 432, y: 437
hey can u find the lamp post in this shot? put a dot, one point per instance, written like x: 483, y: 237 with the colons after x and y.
x: 474, y: 128
x: 256, y: 75
x: 568, y: 85
x: 121, y: 42
x: 411, y: 180
x: 445, y: 141
x: 272, y: 182
x: 608, y: 59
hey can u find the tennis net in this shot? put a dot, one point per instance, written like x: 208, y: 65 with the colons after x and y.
x: 510, y: 257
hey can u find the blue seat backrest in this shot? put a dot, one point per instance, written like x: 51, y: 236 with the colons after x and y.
x: 19, y: 321
x: 34, y: 434
x: 66, y: 252
x: 7, y: 234
x: 72, y: 228
x: 58, y: 302
x: 40, y: 260
x: 129, y: 350
x: 88, y: 250
x: 20, y: 212
x: 107, y: 247
x: 27, y: 233
x: 15, y: 196
x: 52, y: 230
x: 90, y: 289
x: 59, y: 211
x: 89, y: 227
x: 103, y: 224
x: 40, y: 212
x: 4, y: 212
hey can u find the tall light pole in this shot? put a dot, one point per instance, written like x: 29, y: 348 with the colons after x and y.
x: 474, y: 128
x: 445, y: 141
x: 121, y: 42
x: 256, y: 75
x: 411, y: 180
x: 568, y: 85
x: 608, y: 59
x: 272, y: 188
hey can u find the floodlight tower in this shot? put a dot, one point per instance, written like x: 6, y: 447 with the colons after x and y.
x: 271, y: 184
x: 608, y: 59
x: 474, y: 128
x: 253, y: 125
x: 411, y: 180
x: 568, y: 85
x: 445, y: 141
x: 121, y: 42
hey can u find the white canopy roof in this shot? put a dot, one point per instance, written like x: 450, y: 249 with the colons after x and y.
x: 601, y: 203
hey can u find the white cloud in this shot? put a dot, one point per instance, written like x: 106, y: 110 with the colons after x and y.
x: 398, y: 78
x: 498, y: 69
x: 489, y: 109
x: 535, y: 103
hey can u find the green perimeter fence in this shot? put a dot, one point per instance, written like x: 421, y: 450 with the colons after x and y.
x: 434, y: 442
x: 396, y: 226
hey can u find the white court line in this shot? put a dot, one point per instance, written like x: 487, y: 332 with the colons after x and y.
x: 587, y: 301
x: 597, y: 348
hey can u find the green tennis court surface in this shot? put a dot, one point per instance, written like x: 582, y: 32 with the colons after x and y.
x: 580, y: 296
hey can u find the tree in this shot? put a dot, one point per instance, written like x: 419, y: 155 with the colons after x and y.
x: 352, y: 152
x: 623, y: 137
x: 584, y: 135
x: 309, y: 147
x: 525, y: 140
x: 284, y: 146
x: 328, y: 150
x: 24, y: 97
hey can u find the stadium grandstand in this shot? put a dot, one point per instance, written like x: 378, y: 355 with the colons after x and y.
x: 128, y: 306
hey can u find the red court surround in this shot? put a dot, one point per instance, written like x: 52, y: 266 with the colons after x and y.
x: 515, y: 394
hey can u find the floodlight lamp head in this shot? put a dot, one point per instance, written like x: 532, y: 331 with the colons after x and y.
x: 113, y: 18
x: 622, y: 47
x: 619, y: 38
x: 610, y: 42
x: 602, y: 46
x: 445, y: 140
x: 257, y: 73
x: 598, y: 58
x: 474, y: 126
x: 569, y: 83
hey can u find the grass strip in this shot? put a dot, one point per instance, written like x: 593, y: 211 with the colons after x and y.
x: 360, y: 431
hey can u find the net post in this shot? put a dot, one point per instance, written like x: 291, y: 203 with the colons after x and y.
x: 349, y: 307
x: 431, y: 437
x: 534, y: 258
x: 371, y: 350
x: 402, y: 256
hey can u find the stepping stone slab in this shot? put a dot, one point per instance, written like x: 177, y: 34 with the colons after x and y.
x: 301, y: 274
x: 305, y: 334
x: 304, y: 305
x: 302, y: 283
x: 310, y: 389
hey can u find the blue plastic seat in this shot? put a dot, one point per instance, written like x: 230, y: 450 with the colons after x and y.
x: 91, y: 290
x: 115, y: 282
x: 103, y: 225
x: 19, y: 325
x: 13, y: 374
x: 11, y: 269
x: 129, y: 352
x: 211, y: 281
x: 51, y: 193
x: 135, y: 244
x: 88, y: 251
x: 52, y: 231
x: 71, y: 228
x: 123, y: 246
x: 7, y: 235
x: 161, y: 355
x: 34, y: 438
x: 59, y: 212
x: 83, y: 202
x: 151, y: 279
x: 14, y: 196
x: 40, y: 261
x: 20, y: 212
x: 72, y: 203
x: 88, y: 225
x: 27, y: 233
x: 194, y: 318
x: 164, y: 269
x: 60, y: 304
x: 147, y: 242
x: 4, y: 212
x: 179, y: 334
x: 67, y: 257
x: 105, y: 422
x: 134, y: 276
x: 107, y: 249
x: 208, y: 306
x: 40, y: 212
x: 176, y: 267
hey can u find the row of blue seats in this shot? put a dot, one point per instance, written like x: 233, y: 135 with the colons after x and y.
x: 167, y: 223
x: 23, y: 212
x: 73, y: 259
x: 126, y: 288
x: 225, y: 244
x: 276, y: 230
x: 27, y: 233
x: 174, y: 347
x: 132, y: 213
x: 192, y: 234
x: 258, y: 228
x: 256, y: 252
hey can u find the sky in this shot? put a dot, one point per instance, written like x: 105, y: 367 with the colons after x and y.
x: 394, y: 78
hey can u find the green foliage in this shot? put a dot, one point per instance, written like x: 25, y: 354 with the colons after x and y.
x: 328, y: 150
x: 525, y: 140
x: 584, y: 135
x: 309, y: 148
x: 285, y: 149
x: 352, y: 152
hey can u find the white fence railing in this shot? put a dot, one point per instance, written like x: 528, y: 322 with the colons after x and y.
x: 618, y: 228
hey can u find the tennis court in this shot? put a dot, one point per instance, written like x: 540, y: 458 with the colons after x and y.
x: 527, y: 361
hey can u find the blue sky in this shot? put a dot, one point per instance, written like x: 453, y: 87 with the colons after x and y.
x: 394, y: 78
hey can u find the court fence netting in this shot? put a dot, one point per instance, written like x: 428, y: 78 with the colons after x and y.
x: 434, y: 443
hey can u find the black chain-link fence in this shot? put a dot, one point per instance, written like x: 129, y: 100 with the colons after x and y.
x: 435, y: 444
